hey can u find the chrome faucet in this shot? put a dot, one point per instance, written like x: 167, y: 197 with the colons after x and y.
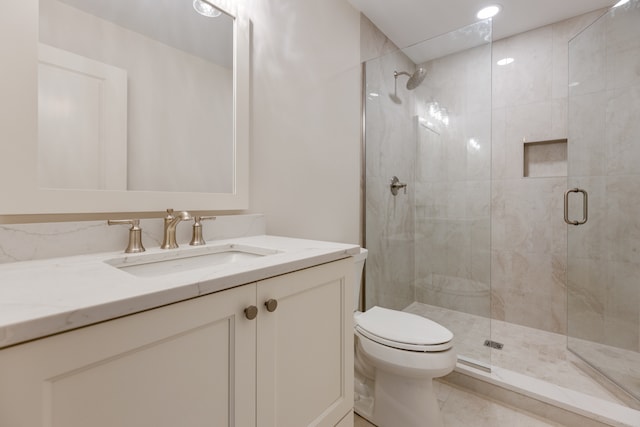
x: 170, y: 223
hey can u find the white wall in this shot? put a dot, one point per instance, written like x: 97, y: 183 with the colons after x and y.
x: 305, y: 141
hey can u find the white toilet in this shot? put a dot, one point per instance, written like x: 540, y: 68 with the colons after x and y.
x: 397, y: 355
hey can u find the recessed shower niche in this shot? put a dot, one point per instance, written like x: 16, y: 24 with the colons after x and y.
x: 545, y: 158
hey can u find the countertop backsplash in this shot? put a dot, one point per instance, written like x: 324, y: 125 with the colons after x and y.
x: 24, y: 242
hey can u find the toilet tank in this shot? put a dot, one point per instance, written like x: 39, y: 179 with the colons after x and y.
x: 358, y: 264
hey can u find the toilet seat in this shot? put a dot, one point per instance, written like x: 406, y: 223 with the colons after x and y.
x: 404, y: 331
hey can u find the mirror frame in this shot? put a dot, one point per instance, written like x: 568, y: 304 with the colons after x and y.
x: 19, y: 192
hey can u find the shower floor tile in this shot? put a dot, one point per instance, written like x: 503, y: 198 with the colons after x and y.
x: 470, y: 331
x: 533, y: 352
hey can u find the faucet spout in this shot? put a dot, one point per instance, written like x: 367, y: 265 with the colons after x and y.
x: 171, y: 221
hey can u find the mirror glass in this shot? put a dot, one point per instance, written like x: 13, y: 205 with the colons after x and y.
x: 135, y: 95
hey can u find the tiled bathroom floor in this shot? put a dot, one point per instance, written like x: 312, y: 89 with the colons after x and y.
x: 463, y: 409
x: 539, y: 354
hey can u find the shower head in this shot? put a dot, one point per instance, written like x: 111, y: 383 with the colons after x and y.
x: 414, y: 79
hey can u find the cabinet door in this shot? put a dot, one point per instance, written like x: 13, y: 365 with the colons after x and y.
x: 188, y: 364
x: 305, y: 347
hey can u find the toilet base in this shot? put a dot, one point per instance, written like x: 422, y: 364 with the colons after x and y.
x: 398, y: 401
x: 405, y: 402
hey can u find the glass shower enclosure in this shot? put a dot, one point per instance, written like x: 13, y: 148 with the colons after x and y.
x: 428, y: 184
x: 604, y: 196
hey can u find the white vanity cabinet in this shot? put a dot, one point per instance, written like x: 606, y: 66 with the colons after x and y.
x: 305, y: 347
x: 199, y: 362
x: 186, y: 364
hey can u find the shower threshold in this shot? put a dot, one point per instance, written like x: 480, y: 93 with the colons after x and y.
x: 550, y: 401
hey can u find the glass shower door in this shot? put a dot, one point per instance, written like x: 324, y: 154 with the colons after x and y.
x: 602, y: 205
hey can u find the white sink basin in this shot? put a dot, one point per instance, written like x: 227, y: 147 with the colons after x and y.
x: 181, y: 260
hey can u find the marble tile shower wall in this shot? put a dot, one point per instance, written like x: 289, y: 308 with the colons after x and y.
x: 390, y: 152
x: 453, y: 172
x: 604, y: 261
x: 530, y: 95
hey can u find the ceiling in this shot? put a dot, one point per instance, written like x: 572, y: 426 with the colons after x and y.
x: 407, y: 22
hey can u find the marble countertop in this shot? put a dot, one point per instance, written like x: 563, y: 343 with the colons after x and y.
x: 45, y: 297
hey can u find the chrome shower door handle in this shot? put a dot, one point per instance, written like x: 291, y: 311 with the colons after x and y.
x: 585, y: 206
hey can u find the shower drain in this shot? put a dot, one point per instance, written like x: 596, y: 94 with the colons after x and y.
x: 493, y: 344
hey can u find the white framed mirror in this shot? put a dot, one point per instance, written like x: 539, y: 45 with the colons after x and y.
x: 125, y: 105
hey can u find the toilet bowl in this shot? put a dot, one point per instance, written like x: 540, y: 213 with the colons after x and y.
x: 397, y: 355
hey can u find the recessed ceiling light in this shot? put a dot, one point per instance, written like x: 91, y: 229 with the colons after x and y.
x: 206, y: 9
x: 505, y: 61
x: 489, y: 11
x: 620, y: 3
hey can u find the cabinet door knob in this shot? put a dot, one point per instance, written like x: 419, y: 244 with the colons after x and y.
x: 251, y: 312
x: 271, y: 305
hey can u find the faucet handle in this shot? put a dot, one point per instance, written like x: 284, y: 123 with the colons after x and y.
x: 135, y: 234
x: 197, y: 239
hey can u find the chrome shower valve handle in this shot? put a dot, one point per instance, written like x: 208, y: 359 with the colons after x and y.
x: 396, y: 185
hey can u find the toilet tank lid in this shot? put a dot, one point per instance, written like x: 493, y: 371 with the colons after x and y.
x: 402, y: 327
